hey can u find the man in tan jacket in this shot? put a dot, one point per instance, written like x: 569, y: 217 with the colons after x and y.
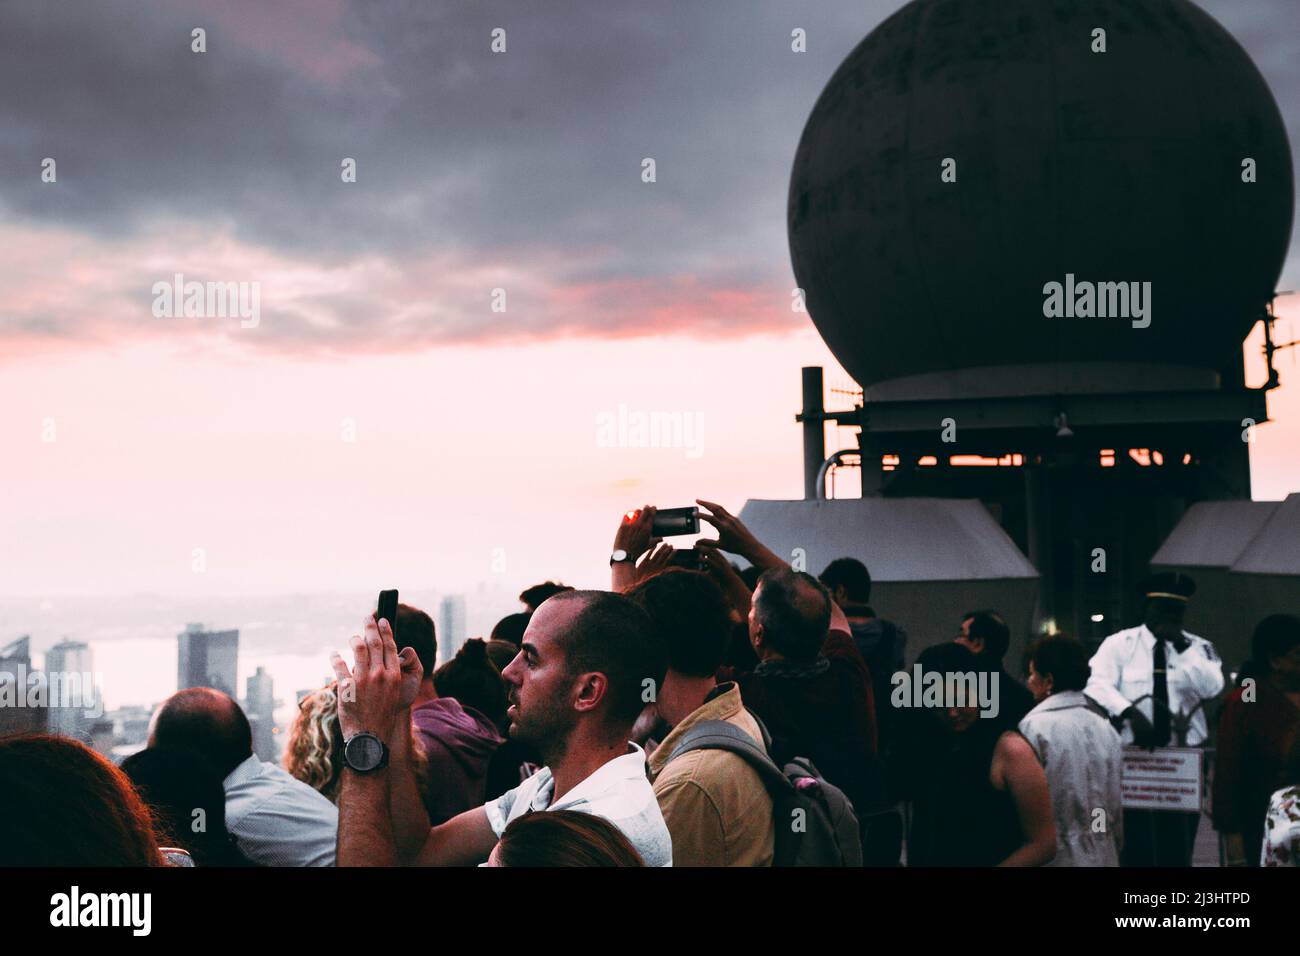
x: 717, y: 809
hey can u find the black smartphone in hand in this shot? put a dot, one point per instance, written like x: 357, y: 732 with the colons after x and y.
x: 387, y: 609
x: 673, y: 521
x: 688, y: 558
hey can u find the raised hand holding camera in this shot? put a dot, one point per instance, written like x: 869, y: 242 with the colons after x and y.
x: 734, y: 537
x: 374, y: 691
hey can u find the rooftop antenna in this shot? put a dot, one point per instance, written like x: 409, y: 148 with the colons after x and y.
x: 1271, y: 347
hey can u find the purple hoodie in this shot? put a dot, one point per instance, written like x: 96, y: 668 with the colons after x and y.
x: 459, y: 742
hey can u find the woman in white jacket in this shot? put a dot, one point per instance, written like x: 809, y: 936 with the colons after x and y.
x: 1081, y: 754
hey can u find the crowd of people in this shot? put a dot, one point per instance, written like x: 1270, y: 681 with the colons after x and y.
x: 695, y: 714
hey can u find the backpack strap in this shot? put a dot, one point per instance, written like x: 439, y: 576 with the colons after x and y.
x: 786, y: 797
x: 722, y: 735
x: 762, y: 729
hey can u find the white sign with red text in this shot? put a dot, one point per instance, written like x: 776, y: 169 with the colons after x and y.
x: 1167, y: 778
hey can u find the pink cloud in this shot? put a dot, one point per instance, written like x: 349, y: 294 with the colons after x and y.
x: 69, y: 287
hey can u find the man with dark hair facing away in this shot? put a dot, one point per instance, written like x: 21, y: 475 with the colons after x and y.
x: 880, y: 642
x: 811, y: 688
x: 717, y: 808
x: 533, y: 597
x: 276, y: 819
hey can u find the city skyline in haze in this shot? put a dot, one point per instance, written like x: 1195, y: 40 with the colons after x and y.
x: 382, y: 424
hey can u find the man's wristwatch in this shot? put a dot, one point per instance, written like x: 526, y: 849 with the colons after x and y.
x: 619, y: 556
x: 365, y: 753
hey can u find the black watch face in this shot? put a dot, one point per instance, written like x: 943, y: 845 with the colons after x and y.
x: 364, y: 752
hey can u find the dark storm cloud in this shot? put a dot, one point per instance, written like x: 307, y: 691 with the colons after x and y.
x: 458, y: 148
x: 522, y: 164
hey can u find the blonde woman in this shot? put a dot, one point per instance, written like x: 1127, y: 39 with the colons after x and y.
x: 314, y: 753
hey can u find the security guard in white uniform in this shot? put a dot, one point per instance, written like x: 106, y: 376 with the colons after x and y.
x: 1156, y: 681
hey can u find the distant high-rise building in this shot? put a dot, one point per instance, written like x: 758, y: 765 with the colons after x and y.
x: 130, y: 724
x: 19, y: 651
x: 451, y: 626
x: 207, y: 659
x: 259, y: 706
x: 73, y: 698
x: 15, y: 668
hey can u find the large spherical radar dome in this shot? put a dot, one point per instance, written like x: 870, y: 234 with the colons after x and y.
x: 1117, y: 166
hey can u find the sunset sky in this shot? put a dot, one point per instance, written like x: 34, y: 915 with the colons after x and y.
x: 476, y: 449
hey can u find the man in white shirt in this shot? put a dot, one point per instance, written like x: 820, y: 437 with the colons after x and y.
x: 1156, y: 681
x: 588, y: 663
x: 275, y: 819
x: 1125, y: 680
x: 278, y: 820
x: 619, y: 791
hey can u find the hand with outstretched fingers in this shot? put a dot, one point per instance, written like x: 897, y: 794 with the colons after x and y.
x: 380, y: 685
x: 660, y: 559
x: 734, y: 537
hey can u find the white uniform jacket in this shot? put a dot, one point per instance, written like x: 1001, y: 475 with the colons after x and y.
x: 1121, y: 673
